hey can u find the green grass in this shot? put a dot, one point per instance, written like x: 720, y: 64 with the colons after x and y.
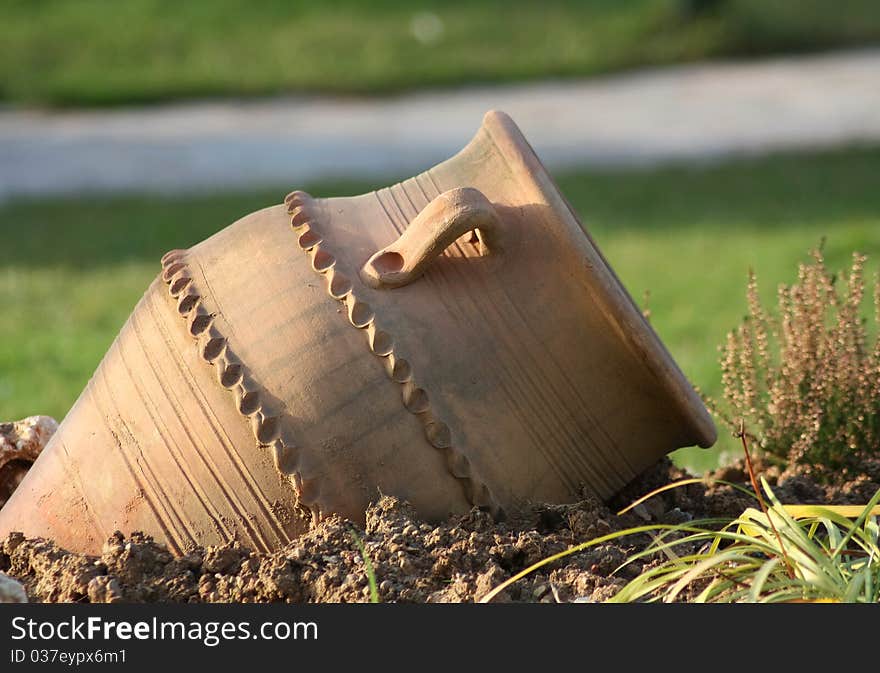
x: 103, y: 52
x: 765, y: 556
x: 761, y: 556
x: 368, y: 567
x: 73, y: 269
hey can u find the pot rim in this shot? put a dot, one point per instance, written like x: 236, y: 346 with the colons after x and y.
x: 618, y: 304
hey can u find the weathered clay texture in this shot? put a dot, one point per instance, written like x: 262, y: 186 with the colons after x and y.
x: 315, y: 355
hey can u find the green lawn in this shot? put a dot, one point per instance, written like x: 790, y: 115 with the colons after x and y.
x: 73, y: 270
x: 104, y: 52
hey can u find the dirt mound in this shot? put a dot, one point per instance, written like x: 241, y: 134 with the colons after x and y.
x: 412, y: 561
x: 459, y: 560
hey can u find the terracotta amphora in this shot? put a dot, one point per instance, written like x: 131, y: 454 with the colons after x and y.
x: 455, y: 340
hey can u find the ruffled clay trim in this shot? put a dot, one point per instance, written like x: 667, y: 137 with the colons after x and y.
x: 381, y: 344
x: 232, y: 375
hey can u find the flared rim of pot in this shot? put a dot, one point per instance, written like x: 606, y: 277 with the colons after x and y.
x: 615, y: 300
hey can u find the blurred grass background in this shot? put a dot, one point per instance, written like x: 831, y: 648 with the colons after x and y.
x: 104, y: 52
x: 74, y: 269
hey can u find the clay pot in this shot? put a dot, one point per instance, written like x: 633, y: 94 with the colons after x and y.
x: 456, y: 340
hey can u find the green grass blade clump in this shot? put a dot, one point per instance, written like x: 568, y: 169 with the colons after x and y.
x: 756, y: 557
x: 832, y: 559
x: 368, y: 567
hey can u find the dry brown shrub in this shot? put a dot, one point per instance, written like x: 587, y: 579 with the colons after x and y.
x: 805, y: 380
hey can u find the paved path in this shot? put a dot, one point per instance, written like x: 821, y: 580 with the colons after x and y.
x: 682, y: 113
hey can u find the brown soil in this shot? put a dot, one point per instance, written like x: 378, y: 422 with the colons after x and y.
x: 457, y: 561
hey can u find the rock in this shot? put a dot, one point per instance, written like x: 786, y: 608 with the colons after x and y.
x: 20, y: 444
x: 224, y: 559
x: 11, y: 591
x: 488, y: 580
x: 104, y: 589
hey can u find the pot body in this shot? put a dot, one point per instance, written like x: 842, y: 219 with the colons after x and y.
x: 267, y: 377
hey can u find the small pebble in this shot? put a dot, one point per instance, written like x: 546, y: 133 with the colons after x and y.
x: 11, y: 591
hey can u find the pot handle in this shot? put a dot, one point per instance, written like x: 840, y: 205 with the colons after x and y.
x: 448, y: 216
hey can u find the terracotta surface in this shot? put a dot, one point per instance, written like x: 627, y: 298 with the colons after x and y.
x: 317, y: 354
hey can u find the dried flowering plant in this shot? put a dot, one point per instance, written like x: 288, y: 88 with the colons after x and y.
x: 806, y: 381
